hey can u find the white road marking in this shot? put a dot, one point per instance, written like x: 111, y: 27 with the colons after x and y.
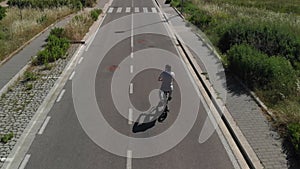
x: 80, y: 60
x: 154, y: 10
x: 131, y: 36
x: 127, y: 9
x: 129, y: 160
x: 145, y: 10
x: 131, y: 68
x: 44, y: 125
x: 72, y: 75
x: 25, y: 161
x: 119, y: 10
x: 130, y: 116
x: 61, y: 95
x: 131, y: 55
x: 131, y: 88
x: 136, y: 9
x: 110, y: 10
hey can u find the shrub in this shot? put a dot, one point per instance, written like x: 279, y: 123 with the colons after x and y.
x: 294, y: 131
x: 270, y: 39
x: 58, y: 32
x: 30, y: 76
x: 2, y: 12
x: 274, y: 75
x: 88, y: 3
x: 5, y: 138
x: 56, y: 48
x: 95, y: 14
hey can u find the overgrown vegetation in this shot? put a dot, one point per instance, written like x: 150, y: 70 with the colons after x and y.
x: 15, y: 31
x: 56, y: 48
x: 260, y: 42
x: 95, y: 14
x: 80, y: 24
x: 42, y: 4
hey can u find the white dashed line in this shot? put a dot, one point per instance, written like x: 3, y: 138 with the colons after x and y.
x: 44, y: 125
x: 72, y: 75
x: 119, y: 10
x: 131, y: 68
x: 129, y: 160
x: 110, y: 10
x: 25, y: 161
x: 80, y: 60
x: 127, y: 9
x: 131, y: 88
x: 136, y: 9
x: 154, y: 10
x: 145, y: 10
x: 61, y: 95
x: 130, y: 116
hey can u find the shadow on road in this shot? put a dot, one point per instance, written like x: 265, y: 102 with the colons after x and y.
x: 148, y: 120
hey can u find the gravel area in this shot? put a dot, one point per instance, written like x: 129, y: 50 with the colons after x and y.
x: 19, y: 104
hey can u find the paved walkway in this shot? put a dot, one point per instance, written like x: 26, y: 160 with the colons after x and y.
x: 247, y: 114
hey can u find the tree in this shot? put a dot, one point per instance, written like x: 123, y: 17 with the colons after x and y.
x: 2, y: 12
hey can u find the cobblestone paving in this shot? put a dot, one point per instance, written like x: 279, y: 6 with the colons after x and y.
x: 266, y: 143
x: 20, y: 103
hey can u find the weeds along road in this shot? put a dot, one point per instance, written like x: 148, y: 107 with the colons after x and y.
x: 106, y: 115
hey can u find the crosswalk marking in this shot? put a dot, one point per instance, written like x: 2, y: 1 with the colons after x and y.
x: 145, y: 10
x: 154, y: 10
x: 135, y: 9
x: 110, y: 10
x: 119, y: 10
x: 128, y: 9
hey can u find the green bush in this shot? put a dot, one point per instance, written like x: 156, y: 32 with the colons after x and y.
x: 95, y: 14
x: 294, y: 131
x: 274, y: 40
x: 274, y: 75
x: 175, y: 3
x: 2, y: 12
x: 56, y: 48
x: 58, y: 32
x: 6, y: 137
x: 30, y: 76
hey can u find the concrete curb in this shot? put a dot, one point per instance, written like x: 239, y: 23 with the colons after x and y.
x: 235, y: 131
x: 24, y: 142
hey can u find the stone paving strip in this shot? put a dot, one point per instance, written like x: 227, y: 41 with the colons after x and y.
x: 21, y: 101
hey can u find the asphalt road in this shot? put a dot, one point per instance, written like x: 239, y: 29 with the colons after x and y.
x: 118, y: 73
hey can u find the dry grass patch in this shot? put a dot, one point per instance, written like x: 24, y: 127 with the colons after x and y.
x: 21, y: 25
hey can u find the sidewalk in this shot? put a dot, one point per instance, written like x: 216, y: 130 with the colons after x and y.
x: 247, y: 114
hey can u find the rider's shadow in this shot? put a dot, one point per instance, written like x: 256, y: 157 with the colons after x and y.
x: 148, y: 120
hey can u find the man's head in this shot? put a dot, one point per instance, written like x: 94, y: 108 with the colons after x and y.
x: 168, y: 68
